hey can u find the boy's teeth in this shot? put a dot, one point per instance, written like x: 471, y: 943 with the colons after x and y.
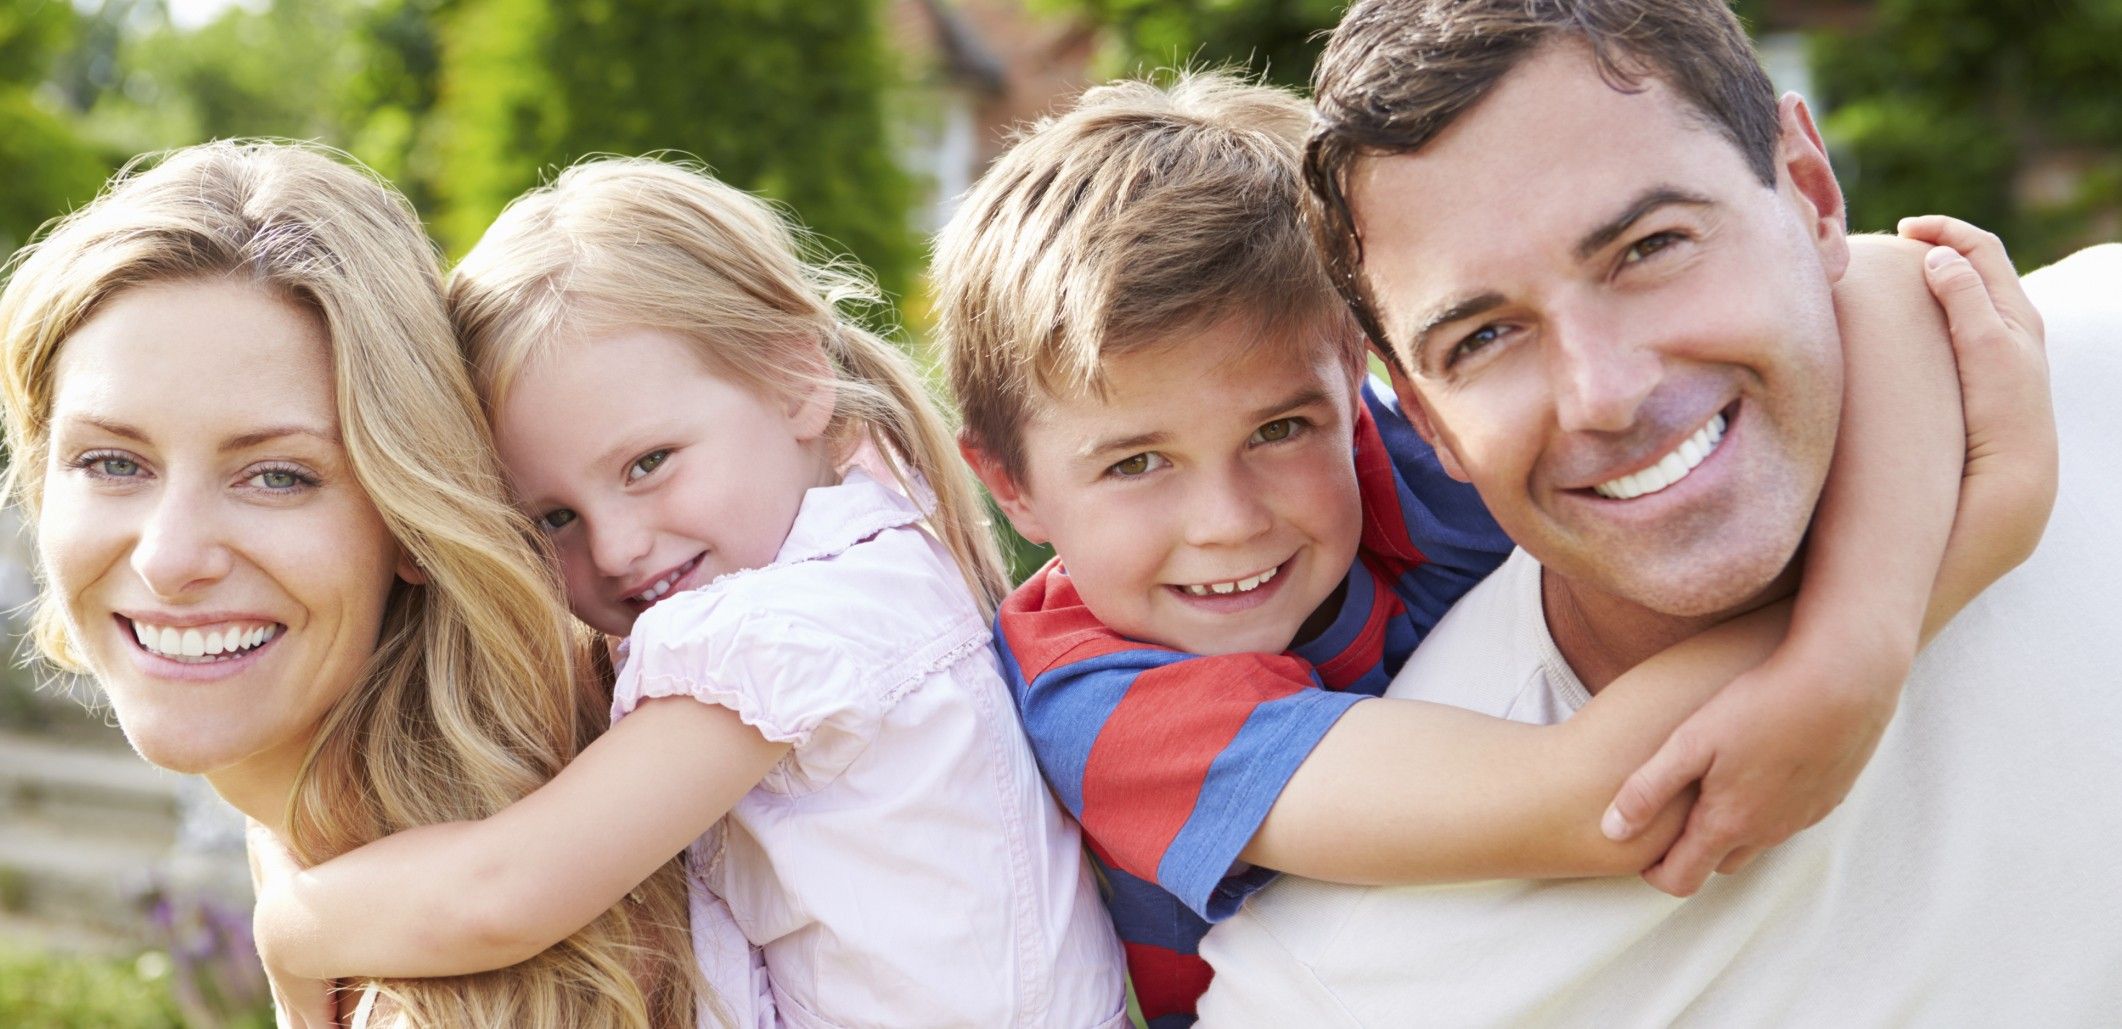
x: 1670, y: 469
x: 197, y: 645
x: 1234, y: 586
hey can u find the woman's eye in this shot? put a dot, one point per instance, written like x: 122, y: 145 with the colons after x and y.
x: 556, y: 519
x: 1140, y: 464
x: 279, y: 480
x: 1276, y: 431
x: 115, y: 467
x: 645, y: 464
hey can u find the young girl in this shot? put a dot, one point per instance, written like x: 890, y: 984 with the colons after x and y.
x: 757, y: 495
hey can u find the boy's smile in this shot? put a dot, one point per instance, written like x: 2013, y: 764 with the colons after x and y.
x: 1207, y: 502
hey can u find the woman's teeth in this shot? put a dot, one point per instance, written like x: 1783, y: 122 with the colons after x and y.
x: 202, y: 643
x: 1670, y: 469
x: 1236, y: 586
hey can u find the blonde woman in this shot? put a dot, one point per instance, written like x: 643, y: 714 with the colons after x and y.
x: 270, y: 524
x: 761, y: 496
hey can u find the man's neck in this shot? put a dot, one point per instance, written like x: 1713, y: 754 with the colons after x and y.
x: 1601, y: 635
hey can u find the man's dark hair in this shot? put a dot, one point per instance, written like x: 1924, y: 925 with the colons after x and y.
x: 1398, y: 72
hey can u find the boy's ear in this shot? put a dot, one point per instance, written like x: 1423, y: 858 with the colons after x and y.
x: 1008, y: 493
x: 1418, y: 416
x: 1802, y: 159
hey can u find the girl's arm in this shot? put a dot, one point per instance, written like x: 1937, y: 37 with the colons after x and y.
x: 1448, y: 794
x: 468, y: 897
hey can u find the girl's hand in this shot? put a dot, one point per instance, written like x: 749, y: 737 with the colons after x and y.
x: 298, y: 1003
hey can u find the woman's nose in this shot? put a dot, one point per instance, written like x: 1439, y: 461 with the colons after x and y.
x: 182, y: 546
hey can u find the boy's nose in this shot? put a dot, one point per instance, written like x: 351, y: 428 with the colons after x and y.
x: 1226, y: 509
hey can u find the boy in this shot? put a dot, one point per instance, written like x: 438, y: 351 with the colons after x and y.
x: 1158, y: 378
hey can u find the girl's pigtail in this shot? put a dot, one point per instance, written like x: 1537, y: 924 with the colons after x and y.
x: 901, y: 417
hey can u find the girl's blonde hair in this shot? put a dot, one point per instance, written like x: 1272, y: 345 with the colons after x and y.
x: 633, y: 243
x: 476, y: 693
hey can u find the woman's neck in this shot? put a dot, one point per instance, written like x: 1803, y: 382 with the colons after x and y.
x: 261, y: 785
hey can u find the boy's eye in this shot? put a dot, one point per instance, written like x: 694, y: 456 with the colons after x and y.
x: 1140, y: 464
x: 1276, y: 431
x: 645, y: 464
x: 555, y: 519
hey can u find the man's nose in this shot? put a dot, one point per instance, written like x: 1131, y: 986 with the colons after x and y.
x: 183, y: 545
x: 1225, y: 506
x: 1600, y: 374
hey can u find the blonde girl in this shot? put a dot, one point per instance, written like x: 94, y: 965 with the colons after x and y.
x: 271, y: 526
x: 757, y: 494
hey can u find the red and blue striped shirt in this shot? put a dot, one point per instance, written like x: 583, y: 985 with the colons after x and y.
x: 1171, y: 760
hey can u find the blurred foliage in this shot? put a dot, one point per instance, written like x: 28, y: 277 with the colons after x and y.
x: 532, y: 84
x: 1279, y: 39
x: 46, y: 166
x: 2004, y: 114
x: 55, y: 990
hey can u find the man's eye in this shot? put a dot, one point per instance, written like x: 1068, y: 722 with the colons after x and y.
x: 1473, y: 343
x: 1140, y: 464
x: 556, y: 519
x: 1648, y: 246
x: 647, y: 463
x: 1276, y: 431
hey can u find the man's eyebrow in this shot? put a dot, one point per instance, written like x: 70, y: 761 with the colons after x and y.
x: 1446, y: 314
x: 1645, y: 202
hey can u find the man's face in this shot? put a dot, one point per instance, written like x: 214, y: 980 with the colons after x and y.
x: 1202, y: 503
x: 1618, y: 334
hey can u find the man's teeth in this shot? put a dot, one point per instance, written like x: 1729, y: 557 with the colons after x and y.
x: 1235, y: 586
x: 1670, y: 469
x: 202, y: 643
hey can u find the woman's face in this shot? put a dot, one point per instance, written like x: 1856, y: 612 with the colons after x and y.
x: 222, y: 571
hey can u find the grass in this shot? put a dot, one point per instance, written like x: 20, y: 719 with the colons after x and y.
x: 52, y: 991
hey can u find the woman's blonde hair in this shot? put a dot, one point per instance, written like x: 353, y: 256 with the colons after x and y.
x: 630, y: 243
x: 476, y: 693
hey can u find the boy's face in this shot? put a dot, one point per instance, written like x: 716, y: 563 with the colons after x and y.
x: 1204, y: 503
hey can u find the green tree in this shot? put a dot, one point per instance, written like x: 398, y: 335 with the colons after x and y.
x: 784, y: 98
x: 45, y: 165
x: 2004, y: 114
x: 1279, y: 39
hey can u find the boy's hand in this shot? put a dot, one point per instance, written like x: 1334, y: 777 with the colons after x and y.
x: 1775, y: 751
x: 2009, y: 484
x: 298, y: 1003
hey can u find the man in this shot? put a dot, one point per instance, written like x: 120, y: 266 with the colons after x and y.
x: 1583, y: 228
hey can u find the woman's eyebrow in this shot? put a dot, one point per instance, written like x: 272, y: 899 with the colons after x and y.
x: 268, y: 435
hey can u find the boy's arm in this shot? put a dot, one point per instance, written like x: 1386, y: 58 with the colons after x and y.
x: 1782, y: 746
x: 468, y: 897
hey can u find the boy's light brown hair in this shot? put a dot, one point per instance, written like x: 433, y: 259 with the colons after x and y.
x: 1142, y: 213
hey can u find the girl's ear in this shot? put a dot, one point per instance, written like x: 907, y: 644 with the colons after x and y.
x: 810, y: 408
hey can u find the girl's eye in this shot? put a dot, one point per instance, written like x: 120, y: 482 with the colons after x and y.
x: 1276, y: 431
x: 1138, y: 465
x: 555, y: 519
x: 645, y: 464
x: 1649, y: 245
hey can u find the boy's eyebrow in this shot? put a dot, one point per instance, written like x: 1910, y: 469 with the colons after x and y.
x: 1304, y: 397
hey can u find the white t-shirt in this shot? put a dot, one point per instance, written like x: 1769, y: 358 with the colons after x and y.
x: 1969, y: 878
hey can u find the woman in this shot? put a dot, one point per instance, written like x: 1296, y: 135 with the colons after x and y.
x: 270, y: 525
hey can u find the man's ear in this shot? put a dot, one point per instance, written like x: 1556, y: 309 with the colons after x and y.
x: 1009, y: 494
x: 1417, y: 415
x: 1802, y: 157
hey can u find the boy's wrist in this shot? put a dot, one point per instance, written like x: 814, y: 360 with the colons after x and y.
x: 1862, y: 656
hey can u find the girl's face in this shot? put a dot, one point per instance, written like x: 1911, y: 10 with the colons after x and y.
x: 221, y: 570
x: 653, y: 474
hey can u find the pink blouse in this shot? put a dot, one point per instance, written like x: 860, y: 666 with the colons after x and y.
x: 904, y: 863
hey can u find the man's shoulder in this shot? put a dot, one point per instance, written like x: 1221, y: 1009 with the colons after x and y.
x: 2080, y: 300
x: 1492, y: 653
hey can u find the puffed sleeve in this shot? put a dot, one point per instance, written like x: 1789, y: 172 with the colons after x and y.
x: 777, y: 668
